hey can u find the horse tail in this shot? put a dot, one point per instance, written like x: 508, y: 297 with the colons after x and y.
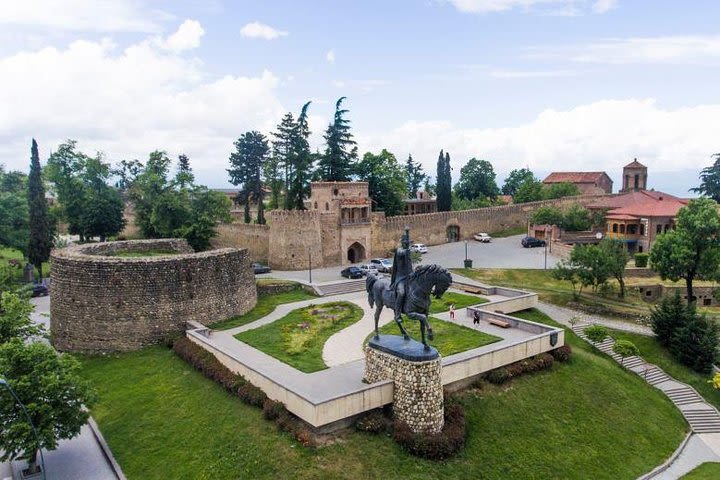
x: 369, y: 282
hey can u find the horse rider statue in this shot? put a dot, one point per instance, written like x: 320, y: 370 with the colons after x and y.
x: 402, y: 267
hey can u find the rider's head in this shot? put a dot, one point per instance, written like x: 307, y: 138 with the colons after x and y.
x: 405, y: 240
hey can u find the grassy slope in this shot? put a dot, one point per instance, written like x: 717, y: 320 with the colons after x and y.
x: 587, y: 418
x: 460, y: 300
x: 706, y: 471
x: 653, y: 352
x: 274, y: 338
x: 265, y: 305
x: 450, y: 337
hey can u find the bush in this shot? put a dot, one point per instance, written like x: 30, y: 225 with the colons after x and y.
x: 641, y: 259
x: 372, y: 422
x: 208, y: 365
x: 668, y: 316
x: 252, y: 395
x: 442, y: 445
x: 515, y: 369
x: 544, y: 361
x: 272, y: 409
x: 695, y: 344
x: 562, y: 354
x: 596, y: 333
x: 498, y: 376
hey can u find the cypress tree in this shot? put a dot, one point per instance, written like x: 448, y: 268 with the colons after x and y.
x: 301, y: 162
x: 337, y: 164
x: 41, y: 235
x: 444, y: 194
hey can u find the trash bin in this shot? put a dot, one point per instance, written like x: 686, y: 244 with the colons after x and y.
x: 467, y: 263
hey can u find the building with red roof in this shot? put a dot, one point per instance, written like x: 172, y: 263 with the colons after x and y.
x: 589, y: 183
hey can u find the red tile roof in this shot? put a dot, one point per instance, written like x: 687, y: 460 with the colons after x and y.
x: 574, y: 177
x: 635, y: 164
x: 643, y: 203
x: 632, y: 198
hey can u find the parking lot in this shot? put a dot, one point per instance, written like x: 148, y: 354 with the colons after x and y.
x: 500, y: 253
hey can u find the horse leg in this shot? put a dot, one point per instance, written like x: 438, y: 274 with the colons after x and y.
x: 402, y: 329
x: 423, y: 325
x: 378, y: 309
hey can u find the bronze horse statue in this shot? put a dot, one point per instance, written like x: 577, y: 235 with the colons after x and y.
x: 424, y: 281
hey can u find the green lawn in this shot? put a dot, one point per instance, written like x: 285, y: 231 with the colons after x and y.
x: 265, y: 305
x: 706, y: 471
x: 460, y: 300
x: 587, y: 418
x: 509, y: 232
x: 450, y: 338
x: 7, y: 254
x: 653, y: 352
x: 298, y: 338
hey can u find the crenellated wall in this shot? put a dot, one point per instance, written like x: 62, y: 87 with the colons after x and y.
x: 295, y: 239
x: 255, y: 238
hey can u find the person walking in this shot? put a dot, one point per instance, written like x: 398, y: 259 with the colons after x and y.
x: 452, y: 311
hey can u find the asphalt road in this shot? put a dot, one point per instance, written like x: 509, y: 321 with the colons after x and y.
x: 500, y: 253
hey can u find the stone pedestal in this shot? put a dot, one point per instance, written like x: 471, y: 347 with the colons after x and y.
x: 418, y: 397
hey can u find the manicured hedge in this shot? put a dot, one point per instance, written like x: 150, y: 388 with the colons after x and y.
x: 539, y: 362
x: 641, y: 259
x: 440, y: 446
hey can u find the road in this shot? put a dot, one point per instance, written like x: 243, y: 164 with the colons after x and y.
x: 500, y: 253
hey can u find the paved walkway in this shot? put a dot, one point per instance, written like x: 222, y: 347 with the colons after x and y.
x: 703, y: 418
x: 564, y: 314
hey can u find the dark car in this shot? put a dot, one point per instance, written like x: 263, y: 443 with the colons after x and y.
x: 40, y: 290
x: 352, y: 272
x: 260, y: 268
x: 529, y: 242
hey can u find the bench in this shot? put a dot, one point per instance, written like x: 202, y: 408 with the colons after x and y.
x: 471, y: 289
x: 499, y: 323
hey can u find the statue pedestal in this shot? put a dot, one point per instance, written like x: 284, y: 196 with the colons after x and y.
x: 418, y: 397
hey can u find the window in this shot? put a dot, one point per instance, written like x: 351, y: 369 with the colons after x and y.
x: 642, y: 230
x: 707, y: 301
x: 648, y: 293
x: 659, y: 229
x: 637, y: 180
x: 615, y: 228
x: 622, y: 228
x: 640, y: 249
x: 335, y: 192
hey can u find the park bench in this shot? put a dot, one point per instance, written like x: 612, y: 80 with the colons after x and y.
x: 499, y: 323
x: 471, y: 289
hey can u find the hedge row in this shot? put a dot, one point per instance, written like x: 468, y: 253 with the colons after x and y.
x: 440, y: 446
x: 543, y: 361
x: 236, y: 384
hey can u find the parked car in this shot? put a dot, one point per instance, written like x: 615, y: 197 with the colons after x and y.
x: 529, y: 242
x: 40, y: 290
x: 383, y: 264
x: 352, y: 272
x: 482, y: 237
x: 369, y: 268
x: 260, y: 268
x: 418, y: 247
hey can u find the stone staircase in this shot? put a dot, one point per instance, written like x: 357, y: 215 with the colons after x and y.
x: 339, y: 288
x: 702, y: 417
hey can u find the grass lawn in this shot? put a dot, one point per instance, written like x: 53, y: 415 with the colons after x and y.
x: 7, y: 254
x: 265, y: 305
x: 298, y: 338
x: 706, y: 471
x: 460, y: 300
x: 653, y: 352
x: 450, y: 338
x: 149, y: 253
x: 509, y: 232
x: 587, y: 418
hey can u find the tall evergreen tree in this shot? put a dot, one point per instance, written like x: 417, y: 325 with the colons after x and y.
x: 184, y: 177
x: 301, y: 160
x: 337, y: 164
x: 414, y: 176
x: 443, y: 187
x: 41, y: 232
x: 246, y: 162
x: 279, y: 169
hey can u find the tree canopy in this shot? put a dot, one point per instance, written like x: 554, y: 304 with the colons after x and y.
x: 386, y: 181
x: 710, y: 180
x: 246, y: 167
x: 414, y: 176
x: 14, y: 211
x: 443, y: 187
x: 477, y: 180
x: 516, y: 178
x: 41, y: 230
x: 338, y: 162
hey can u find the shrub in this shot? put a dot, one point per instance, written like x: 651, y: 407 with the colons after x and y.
x: 641, y: 259
x: 252, y: 395
x: 515, y: 369
x: 439, y: 446
x: 668, y: 316
x: 695, y: 344
x: 596, y: 333
x: 562, y: 354
x: 372, y: 422
x: 498, y: 376
x: 544, y: 361
x: 625, y: 348
x: 272, y: 409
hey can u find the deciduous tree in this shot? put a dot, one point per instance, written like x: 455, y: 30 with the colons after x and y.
x: 516, y: 178
x: 477, y: 180
x: 386, y: 181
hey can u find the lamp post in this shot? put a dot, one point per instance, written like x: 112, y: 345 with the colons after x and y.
x: 466, y: 250
x: 310, y: 265
x: 545, y: 256
x: 4, y: 383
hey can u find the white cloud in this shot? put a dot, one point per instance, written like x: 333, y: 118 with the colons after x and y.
x: 669, y: 49
x: 602, y: 6
x: 128, y: 102
x: 186, y: 37
x: 551, y: 7
x: 83, y: 15
x: 603, y: 135
x: 330, y: 56
x: 260, y: 30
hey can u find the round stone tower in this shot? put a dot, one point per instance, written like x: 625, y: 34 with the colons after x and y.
x: 634, y: 176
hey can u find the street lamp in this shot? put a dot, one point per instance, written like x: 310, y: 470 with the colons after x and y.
x: 4, y: 383
x: 466, y: 250
x: 310, y: 265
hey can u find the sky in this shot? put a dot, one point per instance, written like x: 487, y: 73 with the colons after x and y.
x: 567, y: 85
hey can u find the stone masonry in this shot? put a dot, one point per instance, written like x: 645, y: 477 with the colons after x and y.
x: 418, y: 393
x: 101, y: 302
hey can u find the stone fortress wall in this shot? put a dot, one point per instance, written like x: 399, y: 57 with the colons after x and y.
x: 102, y: 303
x: 293, y: 236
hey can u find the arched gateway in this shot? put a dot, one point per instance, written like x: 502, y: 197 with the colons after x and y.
x: 356, y: 253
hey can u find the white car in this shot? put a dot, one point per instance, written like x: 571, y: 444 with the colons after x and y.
x: 369, y: 268
x: 482, y: 237
x: 419, y: 247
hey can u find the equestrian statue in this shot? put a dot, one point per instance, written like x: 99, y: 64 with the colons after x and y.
x: 408, y: 291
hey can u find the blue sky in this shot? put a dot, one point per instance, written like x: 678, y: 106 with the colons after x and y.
x: 549, y: 84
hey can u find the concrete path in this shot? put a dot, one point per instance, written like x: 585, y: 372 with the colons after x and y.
x: 82, y: 457
x: 564, y: 314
